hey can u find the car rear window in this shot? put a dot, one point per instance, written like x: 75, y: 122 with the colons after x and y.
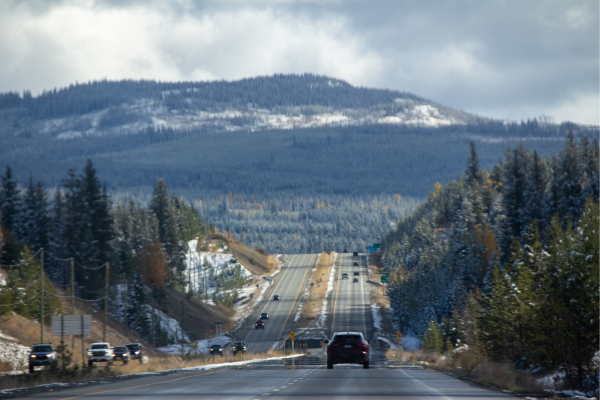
x: 41, y: 348
x: 347, y: 338
x: 99, y: 346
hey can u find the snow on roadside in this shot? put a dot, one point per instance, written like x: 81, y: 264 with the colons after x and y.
x: 323, y: 318
x: 13, y: 353
x: 198, y: 347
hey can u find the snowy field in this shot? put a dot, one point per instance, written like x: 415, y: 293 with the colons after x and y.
x: 13, y: 353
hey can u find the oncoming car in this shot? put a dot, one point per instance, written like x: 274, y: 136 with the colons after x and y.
x: 260, y: 324
x: 347, y: 348
x: 121, y: 353
x: 276, y: 297
x: 345, y: 275
x: 354, y: 280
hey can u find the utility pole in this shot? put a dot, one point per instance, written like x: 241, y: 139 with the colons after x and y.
x: 125, y: 309
x: 105, y: 302
x: 228, y: 235
x: 182, y: 309
x: 42, y: 299
x: 73, y: 299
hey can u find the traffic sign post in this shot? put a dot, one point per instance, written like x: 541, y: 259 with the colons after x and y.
x: 384, y: 279
x: 292, y: 338
x: 399, y: 337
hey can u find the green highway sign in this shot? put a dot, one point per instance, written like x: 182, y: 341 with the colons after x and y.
x: 368, y: 247
x: 384, y: 278
x: 377, y: 245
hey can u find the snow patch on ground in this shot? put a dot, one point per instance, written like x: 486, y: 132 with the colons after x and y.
x: 376, y: 317
x: 412, y: 343
x: 199, y: 347
x: 323, y: 318
x: 13, y: 353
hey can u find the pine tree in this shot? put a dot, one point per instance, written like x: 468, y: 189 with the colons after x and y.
x: 433, y: 341
x: 9, y: 201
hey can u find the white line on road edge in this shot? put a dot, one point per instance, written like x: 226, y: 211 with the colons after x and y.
x: 425, y: 385
x: 199, y: 368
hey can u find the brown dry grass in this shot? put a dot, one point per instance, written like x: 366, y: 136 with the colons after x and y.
x: 154, y: 364
x: 312, y: 305
x: 468, y: 365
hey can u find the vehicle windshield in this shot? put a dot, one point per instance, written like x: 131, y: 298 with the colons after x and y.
x: 99, y: 346
x: 41, y: 348
x: 347, y: 338
x: 133, y: 346
x: 215, y: 346
x: 120, y: 348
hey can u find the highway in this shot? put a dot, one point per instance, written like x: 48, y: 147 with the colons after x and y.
x: 288, y: 286
x: 351, y: 300
x: 281, y: 382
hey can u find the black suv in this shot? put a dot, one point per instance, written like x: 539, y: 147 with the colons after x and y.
x: 135, y: 351
x: 216, y: 349
x: 239, y: 347
x: 121, y: 353
x: 40, y: 355
x: 347, y: 348
x: 264, y: 316
x: 260, y: 324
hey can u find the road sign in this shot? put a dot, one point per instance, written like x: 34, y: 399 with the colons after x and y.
x: 71, y: 325
x: 399, y: 336
x: 377, y: 245
x: 384, y: 278
x: 292, y: 336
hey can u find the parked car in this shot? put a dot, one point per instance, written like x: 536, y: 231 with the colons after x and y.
x: 121, y: 353
x: 260, y: 324
x: 135, y: 351
x: 264, y: 316
x: 216, y: 349
x: 41, y: 355
x: 239, y: 347
x: 355, y: 254
x: 345, y: 275
x: 276, y: 297
x: 347, y: 348
x: 100, y: 352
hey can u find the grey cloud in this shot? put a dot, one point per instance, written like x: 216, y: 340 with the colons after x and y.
x: 498, y: 58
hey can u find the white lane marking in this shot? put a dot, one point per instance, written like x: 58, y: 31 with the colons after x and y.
x: 425, y: 385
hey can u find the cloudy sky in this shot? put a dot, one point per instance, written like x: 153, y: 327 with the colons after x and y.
x: 509, y: 59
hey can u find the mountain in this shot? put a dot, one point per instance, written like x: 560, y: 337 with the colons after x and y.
x: 299, y: 134
x: 276, y: 102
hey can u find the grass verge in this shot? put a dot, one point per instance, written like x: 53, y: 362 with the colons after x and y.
x: 313, y: 304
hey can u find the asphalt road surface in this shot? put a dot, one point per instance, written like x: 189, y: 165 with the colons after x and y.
x: 288, y: 287
x: 284, y: 381
x: 351, y: 300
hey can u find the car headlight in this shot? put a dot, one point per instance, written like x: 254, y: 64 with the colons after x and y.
x: 32, y: 355
x: 137, y: 352
x: 51, y: 355
x: 90, y: 353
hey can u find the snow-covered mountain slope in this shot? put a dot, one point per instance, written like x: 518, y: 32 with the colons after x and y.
x: 276, y: 102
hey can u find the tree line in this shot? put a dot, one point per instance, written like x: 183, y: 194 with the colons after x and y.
x: 506, y: 262
x: 77, y: 224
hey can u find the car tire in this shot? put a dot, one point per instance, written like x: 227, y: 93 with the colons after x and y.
x: 90, y: 363
x: 329, y: 365
x: 31, y: 369
x: 366, y: 365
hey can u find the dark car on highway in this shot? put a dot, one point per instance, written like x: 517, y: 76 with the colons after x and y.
x: 276, y: 297
x: 347, y: 348
x: 239, y: 347
x: 121, y: 353
x: 354, y: 280
x: 355, y: 254
x: 355, y: 264
x: 356, y: 273
x: 41, y: 355
x: 345, y: 275
x: 135, y: 351
x: 264, y: 316
x: 216, y: 349
x: 260, y: 324
x: 345, y: 250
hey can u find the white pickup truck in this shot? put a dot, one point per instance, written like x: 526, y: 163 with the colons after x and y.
x: 100, y: 352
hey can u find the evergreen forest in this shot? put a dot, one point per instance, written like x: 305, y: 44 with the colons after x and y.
x: 506, y: 262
